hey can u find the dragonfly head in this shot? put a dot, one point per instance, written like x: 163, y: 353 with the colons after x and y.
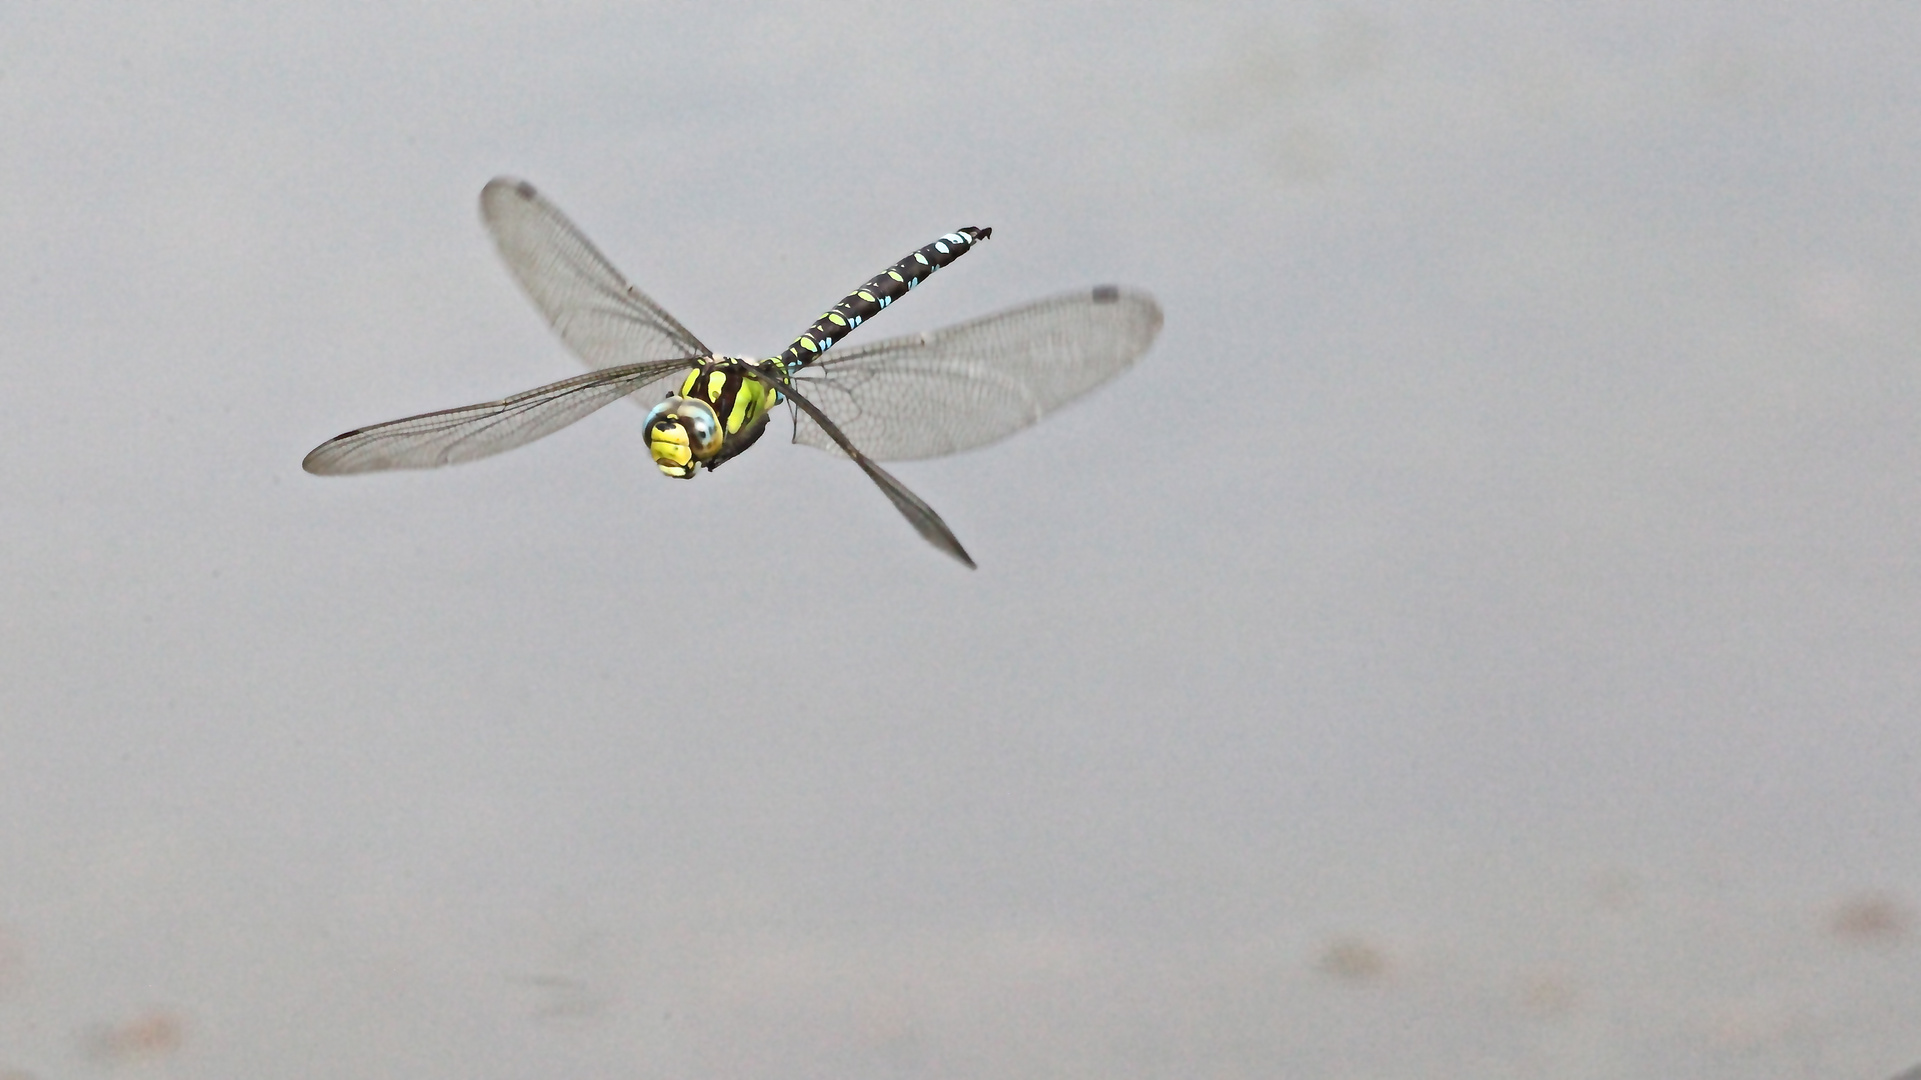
x: 682, y: 433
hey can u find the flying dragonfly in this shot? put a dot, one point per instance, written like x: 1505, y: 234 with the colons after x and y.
x: 921, y: 396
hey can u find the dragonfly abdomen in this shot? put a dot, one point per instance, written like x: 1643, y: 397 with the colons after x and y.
x: 881, y: 290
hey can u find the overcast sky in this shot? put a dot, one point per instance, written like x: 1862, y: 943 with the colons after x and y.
x: 1479, y: 640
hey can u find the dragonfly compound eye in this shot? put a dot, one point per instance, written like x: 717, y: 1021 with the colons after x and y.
x: 681, y: 432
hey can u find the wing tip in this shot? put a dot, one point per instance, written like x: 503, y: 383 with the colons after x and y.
x: 325, y: 459
x: 504, y: 184
x: 503, y: 189
x: 319, y: 462
x: 1139, y: 299
x: 947, y: 543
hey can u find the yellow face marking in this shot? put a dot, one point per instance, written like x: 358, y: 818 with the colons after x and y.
x: 668, y: 444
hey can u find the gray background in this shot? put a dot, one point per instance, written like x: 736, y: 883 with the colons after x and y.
x: 1479, y: 640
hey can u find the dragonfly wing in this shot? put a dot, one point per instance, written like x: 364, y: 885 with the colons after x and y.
x: 477, y: 431
x: 965, y: 386
x: 911, y: 506
x: 602, y: 318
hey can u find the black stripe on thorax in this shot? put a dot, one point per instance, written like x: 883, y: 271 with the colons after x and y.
x: 723, y: 402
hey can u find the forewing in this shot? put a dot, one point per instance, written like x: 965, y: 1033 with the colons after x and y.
x: 476, y: 431
x: 602, y: 318
x: 965, y: 386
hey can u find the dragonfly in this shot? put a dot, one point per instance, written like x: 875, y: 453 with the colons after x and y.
x: 906, y: 398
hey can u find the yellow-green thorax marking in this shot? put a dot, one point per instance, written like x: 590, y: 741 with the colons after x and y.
x: 719, y: 411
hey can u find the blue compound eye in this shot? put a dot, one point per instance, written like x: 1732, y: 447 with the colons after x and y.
x: 703, y: 426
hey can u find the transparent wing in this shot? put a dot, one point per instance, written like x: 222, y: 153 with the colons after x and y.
x: 603, y: 319
x: 965, y: 386
x: 476, y: 431
x: 911, y: 506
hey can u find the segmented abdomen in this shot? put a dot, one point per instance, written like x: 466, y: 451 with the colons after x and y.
x: 885, y: 287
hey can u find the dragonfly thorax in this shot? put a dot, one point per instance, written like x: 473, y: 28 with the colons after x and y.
x: 718, y: 411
